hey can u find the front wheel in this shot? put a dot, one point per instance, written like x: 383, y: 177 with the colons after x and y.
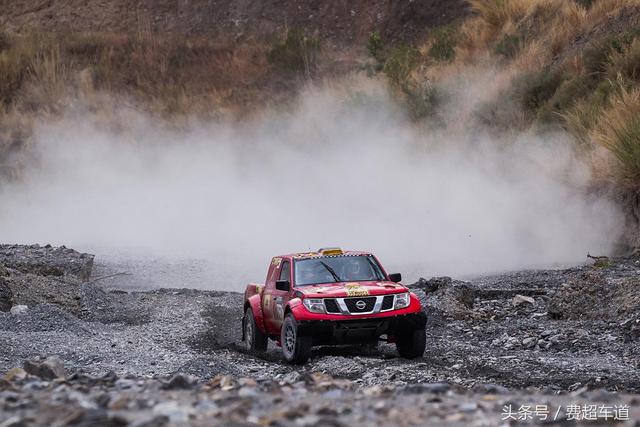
x: 412, y: 345
x: 295, y: 348
x: 254, y: 338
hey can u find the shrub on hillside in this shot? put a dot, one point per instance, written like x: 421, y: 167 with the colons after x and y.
x: 423, y: 102
x: 496, y: 13
x: 509, y: 45
x: 598, y: 56
x: 538, y: 87
x: 13, y: 70
x: 375, y: 46
x: 443, y: 44
x: 585, y: 3
x: 401, y: 62
x: 297, y: 52
x: 574, y: 88
x: 626, y: 62
x: 26, y: 59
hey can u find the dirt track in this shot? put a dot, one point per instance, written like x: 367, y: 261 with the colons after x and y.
x: 480, y: 344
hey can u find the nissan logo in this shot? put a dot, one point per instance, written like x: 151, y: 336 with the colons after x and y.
x: 360, y: 305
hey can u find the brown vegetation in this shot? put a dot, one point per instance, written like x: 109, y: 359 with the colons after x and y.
x: 173, y: 77
x: 169, y: 74
x: 553, y: 64
x: 573, y: 65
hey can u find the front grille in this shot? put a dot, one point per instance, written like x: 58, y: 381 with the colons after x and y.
x: 387, y: 302
x: 331, y: 305
x: 352, y: 304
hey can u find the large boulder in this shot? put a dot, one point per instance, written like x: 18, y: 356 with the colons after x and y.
x: 592, y: 295
x: 47, y: 260
x: 33, y: 289
x: 49, y: 369
x: 448, y: 297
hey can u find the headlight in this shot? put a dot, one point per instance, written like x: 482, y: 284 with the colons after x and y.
x: 402, y: 300
x: 314, y: 305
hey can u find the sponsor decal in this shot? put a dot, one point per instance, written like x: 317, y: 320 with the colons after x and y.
x: 355, y: 290
x: 306, y: 255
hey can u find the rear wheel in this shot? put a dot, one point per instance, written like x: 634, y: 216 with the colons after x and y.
x: 412, y: 345
x: 254, y: 338
x: 295, y: 348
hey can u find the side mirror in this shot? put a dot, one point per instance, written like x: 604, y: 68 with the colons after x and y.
x: 283, y: 285
x: 395, y: 277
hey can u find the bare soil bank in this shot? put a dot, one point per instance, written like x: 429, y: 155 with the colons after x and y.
x: 338, y: 21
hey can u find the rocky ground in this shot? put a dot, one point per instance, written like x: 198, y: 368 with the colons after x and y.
x: 78, y: 350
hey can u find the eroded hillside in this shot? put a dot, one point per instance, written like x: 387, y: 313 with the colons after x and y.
x: 344, y: 23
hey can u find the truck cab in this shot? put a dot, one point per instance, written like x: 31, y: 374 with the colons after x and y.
x: 331, y: 297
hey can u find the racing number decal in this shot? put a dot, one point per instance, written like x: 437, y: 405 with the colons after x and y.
x: 266, y: 299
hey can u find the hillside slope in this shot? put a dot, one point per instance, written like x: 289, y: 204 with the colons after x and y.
x: 338, y: 20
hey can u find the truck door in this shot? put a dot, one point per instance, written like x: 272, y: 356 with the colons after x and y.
x: 281, y: 298
x: 273, y: 300
x: 267, y: 294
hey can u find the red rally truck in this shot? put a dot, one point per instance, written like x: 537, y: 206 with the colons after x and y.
x: 331, y: 297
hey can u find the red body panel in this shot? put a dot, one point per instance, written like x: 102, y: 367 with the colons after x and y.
x: 300, y: 312
x: 339, y: 290
x: 270, y: 305
x: 254, y: 301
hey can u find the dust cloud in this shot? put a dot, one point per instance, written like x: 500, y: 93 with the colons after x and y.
x: 207, y: 207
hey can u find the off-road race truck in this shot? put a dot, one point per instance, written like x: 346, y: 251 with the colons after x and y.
x: 331, y: 297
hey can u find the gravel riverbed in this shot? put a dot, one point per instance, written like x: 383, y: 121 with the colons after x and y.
x: 86, y: 352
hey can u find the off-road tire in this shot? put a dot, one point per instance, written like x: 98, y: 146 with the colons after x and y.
x: 412, y: 344
x: 295, y: 348
x: 254, y: 338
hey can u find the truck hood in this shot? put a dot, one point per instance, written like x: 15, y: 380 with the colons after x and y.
x: 350, y: 289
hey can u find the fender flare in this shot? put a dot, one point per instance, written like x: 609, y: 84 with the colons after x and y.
x: 255, y: 302
x: 296, y: 308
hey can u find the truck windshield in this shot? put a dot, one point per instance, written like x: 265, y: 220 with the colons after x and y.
x: 358, y: 268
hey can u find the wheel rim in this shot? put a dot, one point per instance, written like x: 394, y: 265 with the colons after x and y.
x: 289, y: 338
x: 248, y: 332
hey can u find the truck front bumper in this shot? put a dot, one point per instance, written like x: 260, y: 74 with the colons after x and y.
x: 336, y: 332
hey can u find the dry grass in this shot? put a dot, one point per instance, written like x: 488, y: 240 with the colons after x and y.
x: 625, y: 62
x: 175, y: 78
x: 495, y: 14
x: 580, y: 119
x: 48, y: 77
x: 558, y: 63
x: 169, y: 75
x: 603, y: 10
x: 618, y: 130
x: 554, y: 22
x: 522, y: 53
